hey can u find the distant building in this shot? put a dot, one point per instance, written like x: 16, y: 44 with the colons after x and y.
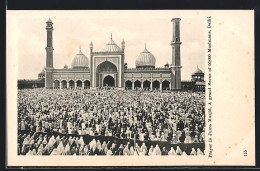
x: 196, y: 83
x: 33, y: 83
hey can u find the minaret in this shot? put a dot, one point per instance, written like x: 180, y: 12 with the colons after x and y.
x: 91, y: 46
x: 91, y: 65
x: 176, y: 57
x: 123, y: 45
x: 49, y: 56
x: 123, y: 64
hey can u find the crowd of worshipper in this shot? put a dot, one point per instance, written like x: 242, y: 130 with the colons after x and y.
x: 175, y: 117
x: 40, y: 144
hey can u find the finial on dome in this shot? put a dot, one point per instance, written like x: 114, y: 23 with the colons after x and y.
x: 111, y: 36
x: 145, y: 49
x: 79, y: 49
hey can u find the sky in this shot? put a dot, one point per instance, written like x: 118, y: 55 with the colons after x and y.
x: 26, y: 35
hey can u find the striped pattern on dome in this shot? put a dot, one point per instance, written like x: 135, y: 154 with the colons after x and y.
x: 111, y: 47
x: 145, y: 58
x: 80, y: 61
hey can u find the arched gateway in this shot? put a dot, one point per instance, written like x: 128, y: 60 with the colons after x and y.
x: 106, y: 74
x: 109, y: 81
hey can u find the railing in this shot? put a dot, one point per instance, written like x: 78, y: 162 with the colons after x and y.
x: 145, y: 69
x: 29, y: 80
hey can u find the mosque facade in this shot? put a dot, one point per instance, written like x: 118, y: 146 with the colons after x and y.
x: 107, y: 68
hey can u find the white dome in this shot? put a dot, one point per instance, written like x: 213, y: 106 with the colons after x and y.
x: 145, y: 59
x: 111, y: 46
x: 80, y: 61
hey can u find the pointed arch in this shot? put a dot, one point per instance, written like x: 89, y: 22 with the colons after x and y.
x: 128, y: 84
x: 137, y: 84
x: 105, y: 67
x: 56, y: 84
x: 165, y: 85
x: 64, y: 84
x: 156, y: 84
x: 86, y: 84
x: 71, y: 84
x: 109, y: 81
x: 79, y: 83
x: 146, y: 84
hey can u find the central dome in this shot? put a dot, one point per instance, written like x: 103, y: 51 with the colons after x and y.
x: 80, y: 61
x: 145, y: 60
x: 111, y: 46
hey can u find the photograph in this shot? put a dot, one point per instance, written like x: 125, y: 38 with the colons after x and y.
x: 143, y: 87
x: 99, y: 103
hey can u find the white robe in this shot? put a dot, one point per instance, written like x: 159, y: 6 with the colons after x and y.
x: 172, y: 152
x: 151, y: 152
x: 60, y: 148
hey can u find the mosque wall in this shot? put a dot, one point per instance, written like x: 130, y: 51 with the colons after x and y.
x: 70, y: 75
x: 148, y: 74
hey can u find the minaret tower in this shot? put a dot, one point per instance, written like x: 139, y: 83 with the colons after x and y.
x: 49, y: 56
x: 91, y: 65
x: 176, y: 57
x: 123, y: 64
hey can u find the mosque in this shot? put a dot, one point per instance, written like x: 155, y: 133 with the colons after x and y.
x: 107, y: 68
